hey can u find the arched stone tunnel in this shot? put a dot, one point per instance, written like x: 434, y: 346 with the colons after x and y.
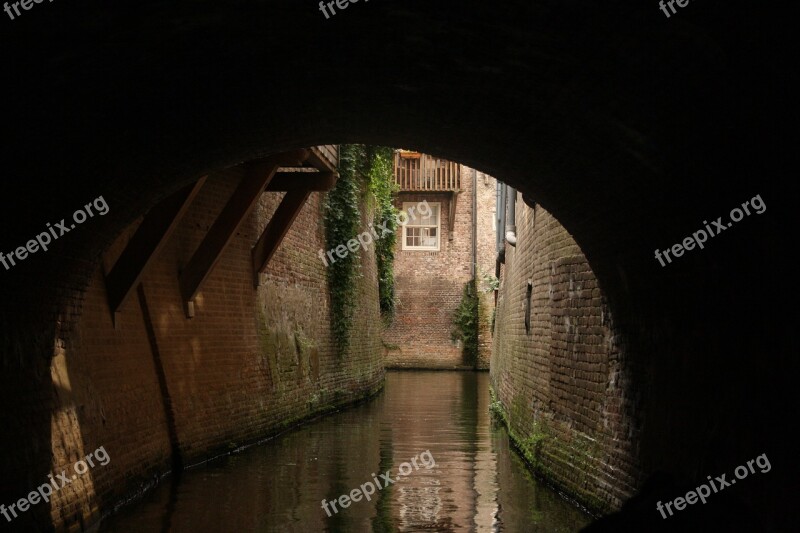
x: 630, y: 127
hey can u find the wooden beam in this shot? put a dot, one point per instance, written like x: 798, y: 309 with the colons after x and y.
x: 276, y: 230
x: 257, y: 175
x: 452, y: 215
x: 318, y: 161
x: 143, y: 247
x: 306, y: 181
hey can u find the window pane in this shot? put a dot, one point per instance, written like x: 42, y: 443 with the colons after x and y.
x: 422, y: 233
x: 429, y: 237
x: 431, y: 219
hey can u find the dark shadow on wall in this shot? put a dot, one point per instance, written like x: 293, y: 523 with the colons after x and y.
x: 169, y: 413
x: 26, y: 435
x: 721, y: 512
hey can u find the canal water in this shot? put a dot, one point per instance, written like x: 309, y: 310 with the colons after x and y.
x: 477, y: 482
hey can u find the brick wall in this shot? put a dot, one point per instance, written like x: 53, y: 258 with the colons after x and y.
x: 429, y: 285
x: 249, y: 363
x: 562, y: 385
x: 487, y: 255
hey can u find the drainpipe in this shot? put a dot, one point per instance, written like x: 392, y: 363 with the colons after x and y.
x: 501, y: 223
x: 496, y: 234
x: 497, y: 215
x: 511, y: 220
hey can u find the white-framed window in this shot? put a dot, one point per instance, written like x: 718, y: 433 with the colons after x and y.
x: 422, y: 232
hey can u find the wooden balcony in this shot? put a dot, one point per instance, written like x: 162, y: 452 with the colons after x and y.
x: 414, y: 171
x: 326, y: 157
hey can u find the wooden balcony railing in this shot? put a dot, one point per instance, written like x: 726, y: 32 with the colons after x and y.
x: 328, y: 153
x: 414, y: 171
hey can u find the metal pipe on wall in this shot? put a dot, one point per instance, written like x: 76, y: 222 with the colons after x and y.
x: 497, y: 216
x: 511, y: 220
x: 501, y: 222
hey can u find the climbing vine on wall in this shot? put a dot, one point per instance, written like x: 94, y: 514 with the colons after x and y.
x: 382, y: 186
x: 362, y: 170
x: 342, y: 223
x: 466, y: 322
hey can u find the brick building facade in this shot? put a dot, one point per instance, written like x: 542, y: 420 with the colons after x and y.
x: 434, y: 262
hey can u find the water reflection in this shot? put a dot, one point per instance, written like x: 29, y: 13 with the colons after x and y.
x: 477, y: 484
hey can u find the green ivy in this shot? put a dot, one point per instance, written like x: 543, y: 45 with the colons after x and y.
x: 342, y: 223
x: 362, y: 169
x: 383, y: 188
x: 466, y: 322
x: 491, y: 283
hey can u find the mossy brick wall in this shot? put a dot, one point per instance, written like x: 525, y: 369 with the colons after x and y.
x: 248, y: 364
x: 562, y: 385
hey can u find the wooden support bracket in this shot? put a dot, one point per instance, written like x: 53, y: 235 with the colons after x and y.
x: 276, y: 230
x: 143, y: 247
x: 452, y: 215
x: 257, y: 176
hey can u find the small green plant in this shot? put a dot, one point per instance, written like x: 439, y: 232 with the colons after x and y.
x: 391, y: 345
x: 490, y: 282
x: 302, y: 343
x: 496, y: 407
x: 532, y: 446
